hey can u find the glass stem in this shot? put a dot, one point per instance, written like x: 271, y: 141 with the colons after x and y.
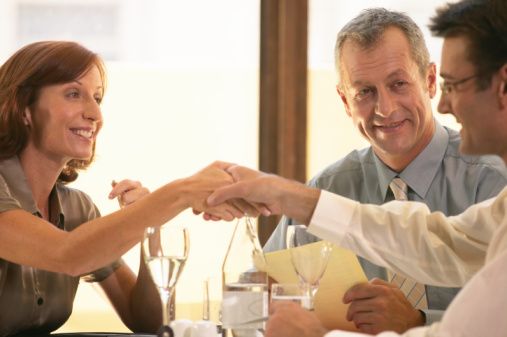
x: 312, y: 290
x: 205, y: 301
x: 307, y: 289
x: 166, y: 306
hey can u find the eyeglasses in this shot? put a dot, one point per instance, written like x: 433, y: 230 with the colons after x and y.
x: 448, y: 87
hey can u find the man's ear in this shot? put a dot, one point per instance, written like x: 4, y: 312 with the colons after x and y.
x: 341, y: 93
x: 431, y: 79
x: 502, y: 89
x: 27, y: 117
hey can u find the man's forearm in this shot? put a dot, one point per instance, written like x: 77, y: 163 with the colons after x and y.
x: 298, y: 201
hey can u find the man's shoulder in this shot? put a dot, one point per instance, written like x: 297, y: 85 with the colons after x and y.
x: 351, y: 167
x: 492, y: 162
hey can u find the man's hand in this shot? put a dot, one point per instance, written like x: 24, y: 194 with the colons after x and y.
x: 245, y: 180
x: 244, y: 177
x: 278, y: 195
x: 200, y: 185
x: 288, y: 319
x: 379, y: 306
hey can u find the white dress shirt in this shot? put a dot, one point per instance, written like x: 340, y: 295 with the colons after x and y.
x: 431, y: 248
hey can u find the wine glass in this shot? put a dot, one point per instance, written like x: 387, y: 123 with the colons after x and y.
x: 165, y: 251
x: 309, y: 262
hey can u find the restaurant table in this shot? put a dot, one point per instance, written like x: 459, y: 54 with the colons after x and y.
x: 93, y: 334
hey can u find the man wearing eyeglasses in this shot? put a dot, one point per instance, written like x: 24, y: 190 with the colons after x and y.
x: 448, y: 86
x: 467, y: 248
x: 386, y: 82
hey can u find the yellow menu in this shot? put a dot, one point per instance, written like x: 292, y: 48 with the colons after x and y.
x: 342, y: 272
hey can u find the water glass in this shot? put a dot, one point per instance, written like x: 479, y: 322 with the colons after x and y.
x: 290, y: 292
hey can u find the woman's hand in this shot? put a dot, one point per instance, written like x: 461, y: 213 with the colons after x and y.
x: 200, y: 186
x: 249, y: 208
x: 127, y: 191
x: 229, y: 210
x: 269, y: 193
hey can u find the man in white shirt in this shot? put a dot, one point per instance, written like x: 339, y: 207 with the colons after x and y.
x: 406, y: 237
x: 386, y: 82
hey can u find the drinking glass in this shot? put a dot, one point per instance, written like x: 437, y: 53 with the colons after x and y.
x: 309, y: 262
x: 289, y: 292
x: 165, y: 251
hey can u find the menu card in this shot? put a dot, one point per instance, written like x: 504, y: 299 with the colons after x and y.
x: 342, y: 272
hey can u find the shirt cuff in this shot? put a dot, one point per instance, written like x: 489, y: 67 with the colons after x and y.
x: 101, y: 274
x: 332, y: 217
x: 433, y: 316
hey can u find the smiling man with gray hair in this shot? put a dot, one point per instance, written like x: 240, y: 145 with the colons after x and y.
x: 386, y: 83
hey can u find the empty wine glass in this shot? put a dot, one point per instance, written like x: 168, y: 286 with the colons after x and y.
x: 309, y: 262
x: 165, y: 251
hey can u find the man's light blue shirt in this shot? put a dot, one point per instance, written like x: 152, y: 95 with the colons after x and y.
x: 439, y: 176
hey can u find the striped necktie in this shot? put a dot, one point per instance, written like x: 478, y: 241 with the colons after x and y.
x: 414, y: 291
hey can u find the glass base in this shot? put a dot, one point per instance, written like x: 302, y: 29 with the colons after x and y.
x: 165, y: 331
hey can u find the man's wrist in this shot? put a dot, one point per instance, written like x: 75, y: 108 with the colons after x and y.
x: 300, y: 202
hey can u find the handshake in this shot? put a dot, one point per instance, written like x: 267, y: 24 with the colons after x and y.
x: 224, y: 191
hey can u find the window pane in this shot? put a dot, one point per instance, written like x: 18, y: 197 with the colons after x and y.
x: 182, y: 92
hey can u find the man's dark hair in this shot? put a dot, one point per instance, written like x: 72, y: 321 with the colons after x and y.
x: 484, y: 24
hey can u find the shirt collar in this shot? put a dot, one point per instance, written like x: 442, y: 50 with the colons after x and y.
x: 57, y: 216
x: 419, y: 174
x: 18, y: 185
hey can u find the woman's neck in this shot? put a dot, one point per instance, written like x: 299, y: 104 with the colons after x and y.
x: 41, y: 174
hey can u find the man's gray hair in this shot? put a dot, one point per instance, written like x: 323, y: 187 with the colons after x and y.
x: 367, y: 28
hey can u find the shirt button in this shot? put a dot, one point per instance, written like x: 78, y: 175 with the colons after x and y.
x: 40, y: 301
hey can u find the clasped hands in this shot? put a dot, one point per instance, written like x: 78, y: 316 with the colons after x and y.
x: 225, y: 191
x: 219, y: 192
x: 211, y: 191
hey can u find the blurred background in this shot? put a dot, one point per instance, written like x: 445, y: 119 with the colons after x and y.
x: 183, y: 91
